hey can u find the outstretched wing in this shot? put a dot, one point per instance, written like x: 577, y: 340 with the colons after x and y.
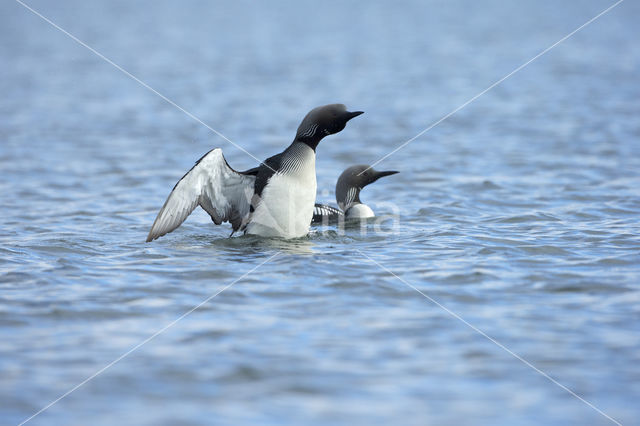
x: 323, y: 213
x: 213, y: 185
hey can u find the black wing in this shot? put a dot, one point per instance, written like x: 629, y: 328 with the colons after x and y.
x: 265, y: 171
x: 323, y: 214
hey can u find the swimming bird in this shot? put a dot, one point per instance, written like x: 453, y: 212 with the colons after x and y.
x: 348, y: 188
x: 275, y: 199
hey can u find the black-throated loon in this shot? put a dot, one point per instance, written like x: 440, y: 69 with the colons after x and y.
x: 275, y: 199
x: 348, y: 188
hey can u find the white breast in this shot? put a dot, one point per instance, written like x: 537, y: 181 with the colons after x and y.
x: 359, y: 211
x: 286, y: 207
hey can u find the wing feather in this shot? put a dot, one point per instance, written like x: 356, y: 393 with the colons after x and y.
x: 323, y: 213
x: 213, y: 185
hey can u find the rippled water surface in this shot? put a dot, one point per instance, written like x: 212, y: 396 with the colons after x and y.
x: 517, y: 217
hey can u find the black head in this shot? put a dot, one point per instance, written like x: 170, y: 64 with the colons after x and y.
x: 323, y: 121
x: 352, y: 180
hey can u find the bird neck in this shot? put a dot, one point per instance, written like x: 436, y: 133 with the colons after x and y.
x: 311, y: 141
x: 347, y: 197
x: 298, y: 145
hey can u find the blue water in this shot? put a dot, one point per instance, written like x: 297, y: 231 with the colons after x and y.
x: 519, y: 214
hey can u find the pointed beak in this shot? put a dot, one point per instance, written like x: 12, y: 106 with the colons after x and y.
x: 378, y: 175
x: 354, y: 114
x: 388, y: 173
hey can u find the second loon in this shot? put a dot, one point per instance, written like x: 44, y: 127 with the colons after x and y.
x: 348, y: 188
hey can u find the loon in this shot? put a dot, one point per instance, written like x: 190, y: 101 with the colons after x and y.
x: 348, y: 188
x: 274, y: 199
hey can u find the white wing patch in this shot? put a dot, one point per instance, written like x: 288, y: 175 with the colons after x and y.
x: 211, y: 184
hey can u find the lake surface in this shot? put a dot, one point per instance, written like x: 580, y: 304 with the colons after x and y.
x: 519, y: 214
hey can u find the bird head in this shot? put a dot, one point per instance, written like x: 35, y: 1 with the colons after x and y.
x: 352, y: 180
x: 323, y: 121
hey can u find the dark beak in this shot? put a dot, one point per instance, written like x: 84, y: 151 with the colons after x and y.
x: 378, y: 175
x: 354, y: 114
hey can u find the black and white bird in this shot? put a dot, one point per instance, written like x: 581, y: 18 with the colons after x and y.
x: 275, y: 199
x: 348, y: 188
